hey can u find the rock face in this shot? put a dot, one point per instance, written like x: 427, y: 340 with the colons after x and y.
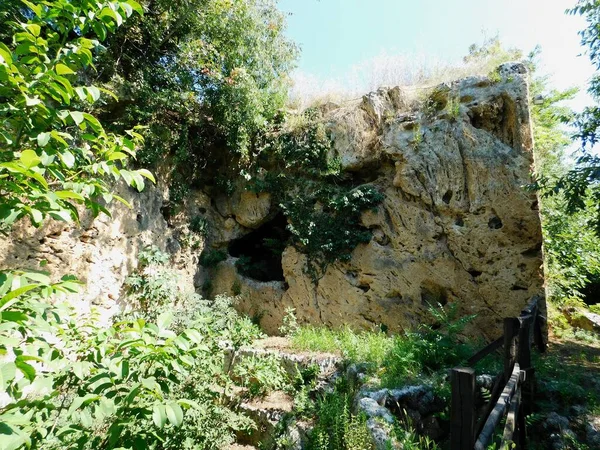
x: 102, y: 252
x: 456, y: 225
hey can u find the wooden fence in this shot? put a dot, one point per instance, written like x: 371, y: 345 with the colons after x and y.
x: 513, y: 391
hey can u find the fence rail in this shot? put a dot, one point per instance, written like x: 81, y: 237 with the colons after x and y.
x: 513, y: 392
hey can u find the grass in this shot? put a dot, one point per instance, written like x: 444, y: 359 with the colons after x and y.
x: 395, y: 360
x: 357, y: 347
x: 415, y: 73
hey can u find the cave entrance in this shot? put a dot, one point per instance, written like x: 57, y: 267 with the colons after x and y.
x: 260, y: 251
x: 591, y: 291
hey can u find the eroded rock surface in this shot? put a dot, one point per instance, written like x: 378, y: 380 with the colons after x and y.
x: 456, y: 225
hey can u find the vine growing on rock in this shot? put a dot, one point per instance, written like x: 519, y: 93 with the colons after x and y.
x: 295, y: 163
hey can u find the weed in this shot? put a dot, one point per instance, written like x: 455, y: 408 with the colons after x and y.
x: 210, y: 258
x: 236, y: 288
x: 396, y: 359
x: 336, y: 428
x: 199, y: 225
x: 289, y: 326
x: 453, y: 107
x: 417, y: 135
x: 494, y: 76
x: 261, y: 375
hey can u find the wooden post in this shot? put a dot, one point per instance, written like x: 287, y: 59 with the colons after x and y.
x: 524, y: 347
x: 524, y: 359
x: 511, y: 329
x: 462, y: 415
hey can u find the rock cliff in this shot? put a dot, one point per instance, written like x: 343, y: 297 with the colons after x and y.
x: 456, y: 224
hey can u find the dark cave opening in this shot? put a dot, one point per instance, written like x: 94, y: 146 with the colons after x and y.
x: 260, y: 251
x: 591, y: 291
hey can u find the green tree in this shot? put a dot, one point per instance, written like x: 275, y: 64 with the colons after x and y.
x: 55, y: 154
x: 579, y: 184
x: 204, y: 76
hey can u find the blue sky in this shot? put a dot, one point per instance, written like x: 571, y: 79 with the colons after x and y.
x: 337, y: 34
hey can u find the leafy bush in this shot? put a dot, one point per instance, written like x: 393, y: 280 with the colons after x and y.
x: 133, y: 385
x: 294, y: 164
x: 154, y: 284
x: 199, y: 225
x: 205, y: 76
x: 261, y: 375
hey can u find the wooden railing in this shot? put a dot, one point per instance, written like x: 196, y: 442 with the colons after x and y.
x: 513, y: 391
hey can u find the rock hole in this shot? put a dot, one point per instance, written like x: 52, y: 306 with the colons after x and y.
x: 447, y: 197
x: 533, y: 252
x: 202, y: 210
x: 516, y: 287
x: 459, y: 221
x: 260, y: 251
x: 495, y: 223
x: 139, y: 218
x: 475, y: 273
x: 433, y: 295
x: 535, y: 206
x: 364, y: 287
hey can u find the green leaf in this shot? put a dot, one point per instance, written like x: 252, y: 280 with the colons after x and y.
x: 7, y: 374
x: 77, y: 116
x: 159, y: 415
x: 43, y: 139
x: 34, y: 29
x: 16, y: 293
x: 63, y: 215
x: 94, y: 92
x: 139, y: 181
x: 6, y: 54
x: 37, y: 9
x: 40, y: 277
x: 174, y: 414
x: 100, y: 30
x: 136, y: 6
x: 36, y: 216
x: 27, y: 370
x: 29, y: 158
x: 117, y: 156
x: 94, y: 123
x: 67, y: 158
x: 63, y: 69
x: 164, y: 320
x: 69, y: 195
x: 13, y: 316
x: 147, y: 174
